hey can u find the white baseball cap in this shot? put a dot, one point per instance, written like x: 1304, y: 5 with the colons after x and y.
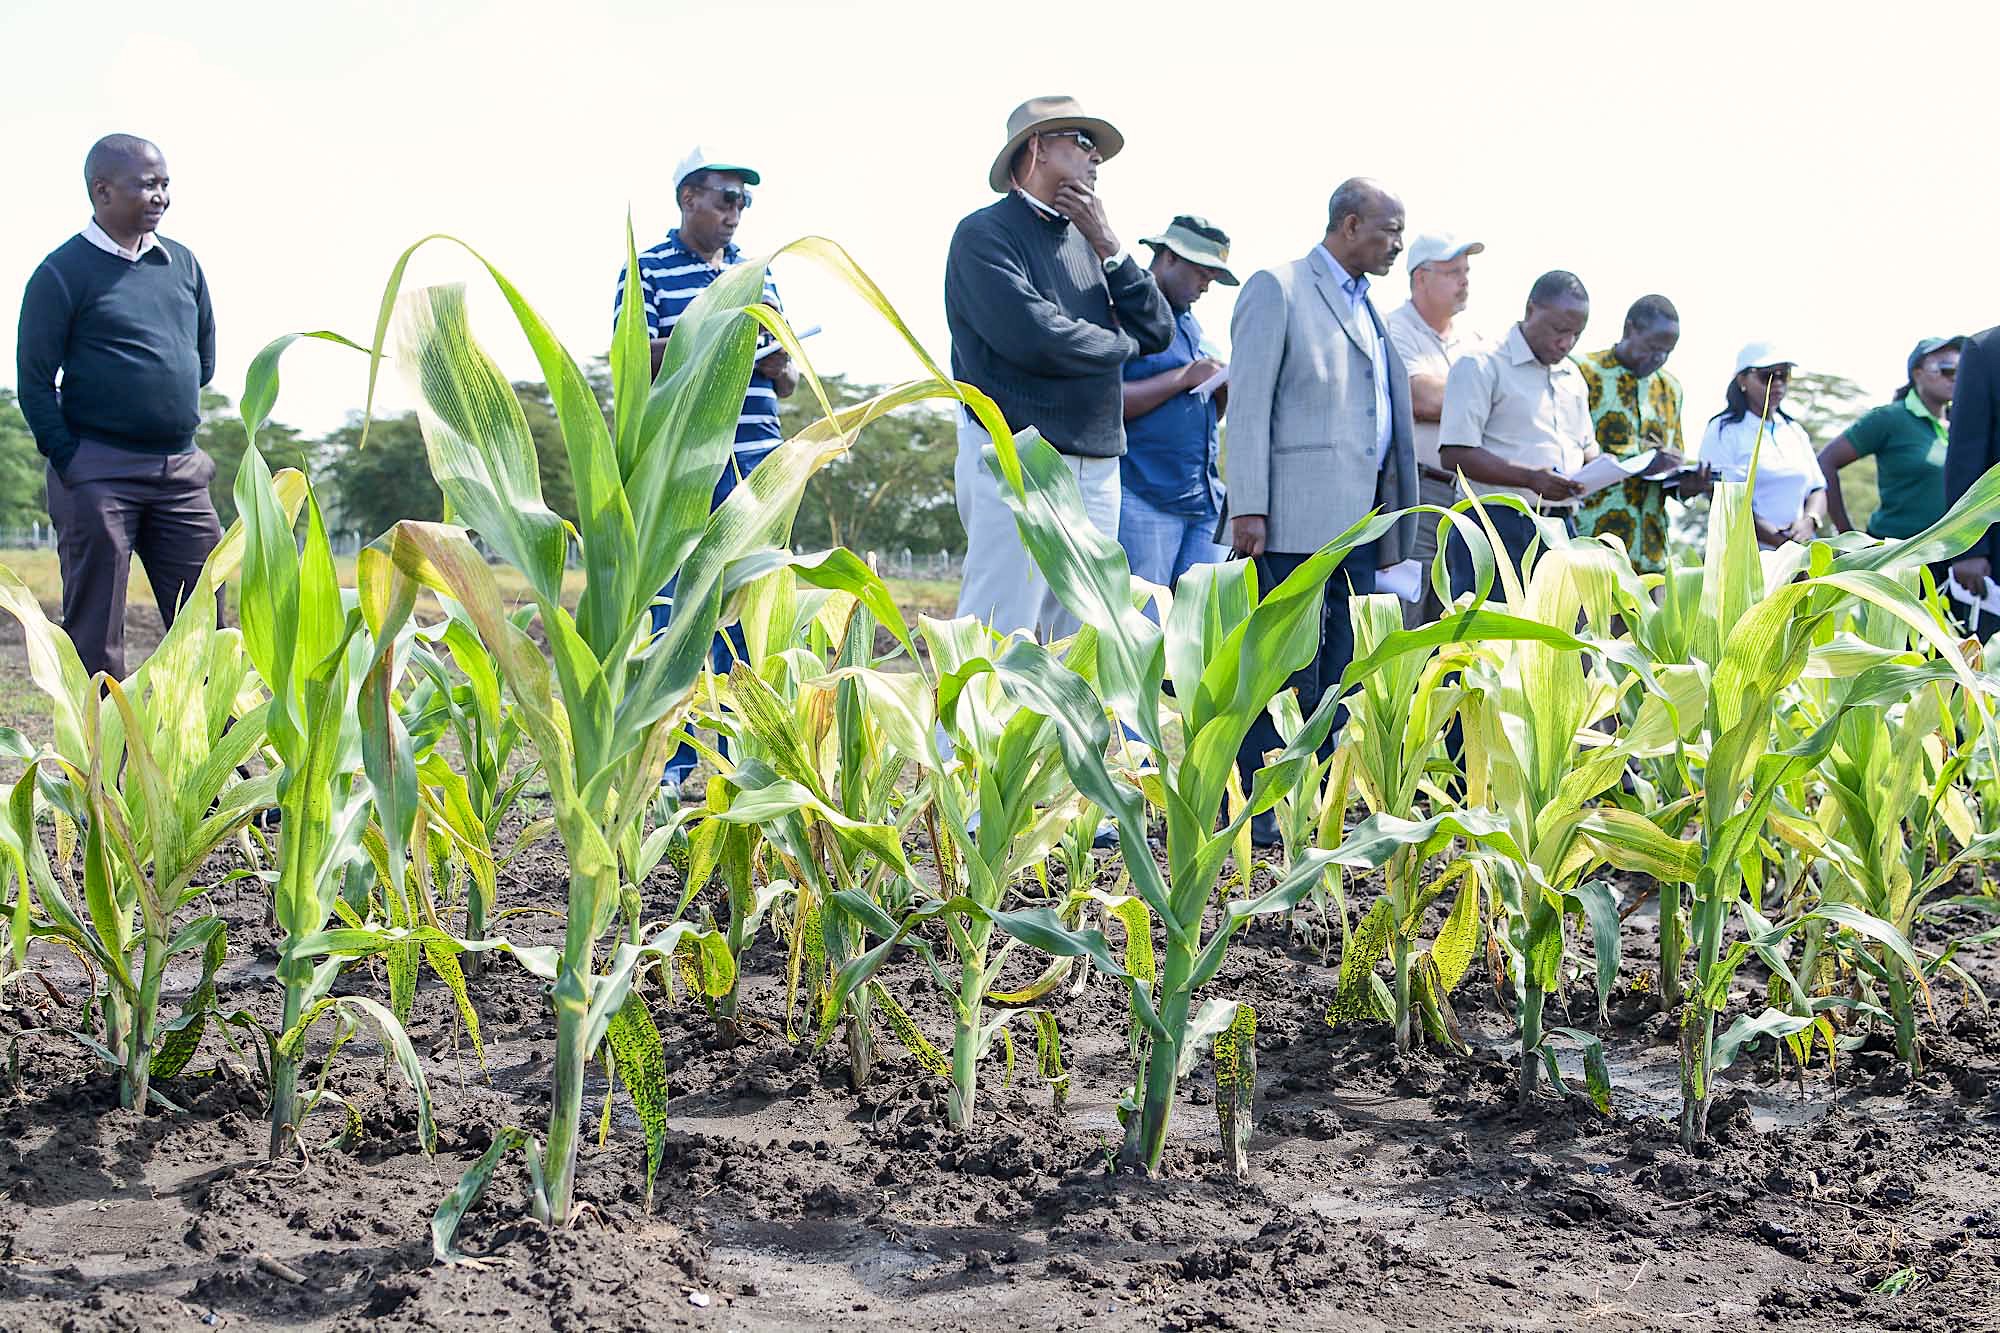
x: 700, y: 159
x: 1762, y: 352
x: 1434, y: 247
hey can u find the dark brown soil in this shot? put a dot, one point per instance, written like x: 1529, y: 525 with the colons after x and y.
x: 1386, y: 1191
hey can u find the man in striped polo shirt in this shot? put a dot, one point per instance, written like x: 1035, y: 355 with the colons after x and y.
x: 713, y: 193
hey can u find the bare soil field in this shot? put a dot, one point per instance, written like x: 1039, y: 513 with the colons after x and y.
x: 1386, y: 1191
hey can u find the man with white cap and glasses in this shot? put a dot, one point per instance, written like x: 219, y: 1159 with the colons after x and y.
x: 1790, y: 496
x: 712, y: 191
x: 1170, y: 488
x: 1425, y: 333
x: 1045, y: 307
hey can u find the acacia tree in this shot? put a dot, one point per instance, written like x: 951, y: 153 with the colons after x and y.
x: 21, y: 491
x: 894, y: 495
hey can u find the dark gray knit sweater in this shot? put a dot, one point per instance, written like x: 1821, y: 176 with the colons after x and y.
x: 1039, y: 325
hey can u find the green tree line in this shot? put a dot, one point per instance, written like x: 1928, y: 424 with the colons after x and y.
x: 893, y: 493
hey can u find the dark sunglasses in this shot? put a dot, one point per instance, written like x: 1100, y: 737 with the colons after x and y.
x: 1083, y: 141
x: 1945, y: 372
x: 1772, y: 372
x: 730, y: 196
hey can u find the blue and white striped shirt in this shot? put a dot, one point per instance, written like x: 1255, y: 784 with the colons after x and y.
x: 670, y: 277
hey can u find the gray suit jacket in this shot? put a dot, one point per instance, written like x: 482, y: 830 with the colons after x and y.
x: 1301, y: 442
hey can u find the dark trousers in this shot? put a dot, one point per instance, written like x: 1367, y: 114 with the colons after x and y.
x: 1517, y: 533
x: 111, y: 504
x: 1354, y: 575
x: 729, y: 645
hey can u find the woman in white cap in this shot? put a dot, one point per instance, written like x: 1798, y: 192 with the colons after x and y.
x: 1789, y: 501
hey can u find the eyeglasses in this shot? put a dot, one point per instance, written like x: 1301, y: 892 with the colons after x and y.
x: 1772, y: 372
x: 1945, y: 372
x: 1083, y: 141
x: 730, y: 196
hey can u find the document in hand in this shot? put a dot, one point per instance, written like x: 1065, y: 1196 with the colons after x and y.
x: 1988, y: 600
x: 1206, y: 389
x: 1607, y: 470
x: 1406, y: 580
x: 765, y: 342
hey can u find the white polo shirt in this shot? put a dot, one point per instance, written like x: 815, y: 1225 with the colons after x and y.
x: 1787, y: 467
x: 1425, y: 351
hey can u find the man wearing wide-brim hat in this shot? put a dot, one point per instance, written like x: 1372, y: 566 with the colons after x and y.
x: 1170, y: 486
x: 1045, y: 308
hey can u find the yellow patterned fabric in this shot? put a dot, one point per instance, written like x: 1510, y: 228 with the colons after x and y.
x: 1630, y: 415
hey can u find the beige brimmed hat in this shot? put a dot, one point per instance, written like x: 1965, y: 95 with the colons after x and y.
x: 1199, y: 242
x: 1039, y: 115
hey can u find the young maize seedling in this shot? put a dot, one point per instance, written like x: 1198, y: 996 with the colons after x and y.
x: 1757, y: 631
x: 148, y: 771
x: 604, y: 700
x: 1004, y: 802
x: 308, y: 644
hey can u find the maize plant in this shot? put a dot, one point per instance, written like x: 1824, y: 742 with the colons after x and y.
x: 1398, y: 718
x: 1532, y: 757
x: 604, y: 703
x: 836, y: 733
x: 1227, y: 651
x: 147, y: 769
x: 476, y: 796
x: 1005, y: 804
x: 1757, y: 628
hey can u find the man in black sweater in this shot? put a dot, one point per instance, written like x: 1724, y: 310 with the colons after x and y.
x: 1045, y: 308
x: 123, y: 315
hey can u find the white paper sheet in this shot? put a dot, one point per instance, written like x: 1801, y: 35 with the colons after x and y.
x: 1206, y: 389
x: 1405, y: 580
x: 1987, y: 601
x: 1608, y: 470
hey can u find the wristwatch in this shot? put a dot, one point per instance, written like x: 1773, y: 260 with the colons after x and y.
x: 1116, y: 260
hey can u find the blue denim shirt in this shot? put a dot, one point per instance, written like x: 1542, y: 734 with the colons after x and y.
x: 1170, y: 453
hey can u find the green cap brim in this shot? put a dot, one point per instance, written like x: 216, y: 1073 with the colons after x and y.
x: 1209, y: 261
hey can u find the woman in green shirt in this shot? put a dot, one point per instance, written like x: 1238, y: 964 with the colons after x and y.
x: 1906, y: 436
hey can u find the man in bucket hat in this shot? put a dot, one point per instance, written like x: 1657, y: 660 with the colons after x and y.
x: 1045, y: 308
x: 1171, y: 493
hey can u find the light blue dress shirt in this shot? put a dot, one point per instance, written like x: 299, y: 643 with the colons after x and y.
x: 1372, y: 331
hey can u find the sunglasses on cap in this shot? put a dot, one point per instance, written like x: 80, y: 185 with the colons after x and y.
x: 1083, y: 141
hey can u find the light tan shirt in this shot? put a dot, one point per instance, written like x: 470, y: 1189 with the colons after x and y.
x: 1535, y: 416
x: 1425, y: 351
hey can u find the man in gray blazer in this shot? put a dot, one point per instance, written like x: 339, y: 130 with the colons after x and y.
x: 1319, y: 433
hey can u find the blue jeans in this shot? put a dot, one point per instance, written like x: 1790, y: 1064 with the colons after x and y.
x: 1161, y: 546
x: 728, y: 646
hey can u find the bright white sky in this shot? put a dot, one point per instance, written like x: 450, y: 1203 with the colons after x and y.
x: 1814, y: 172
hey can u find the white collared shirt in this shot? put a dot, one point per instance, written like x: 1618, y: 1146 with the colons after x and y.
x: 100, y: 238
x: 1356, y: 290
x: 1787, y: 467
x: 1502, y: 399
